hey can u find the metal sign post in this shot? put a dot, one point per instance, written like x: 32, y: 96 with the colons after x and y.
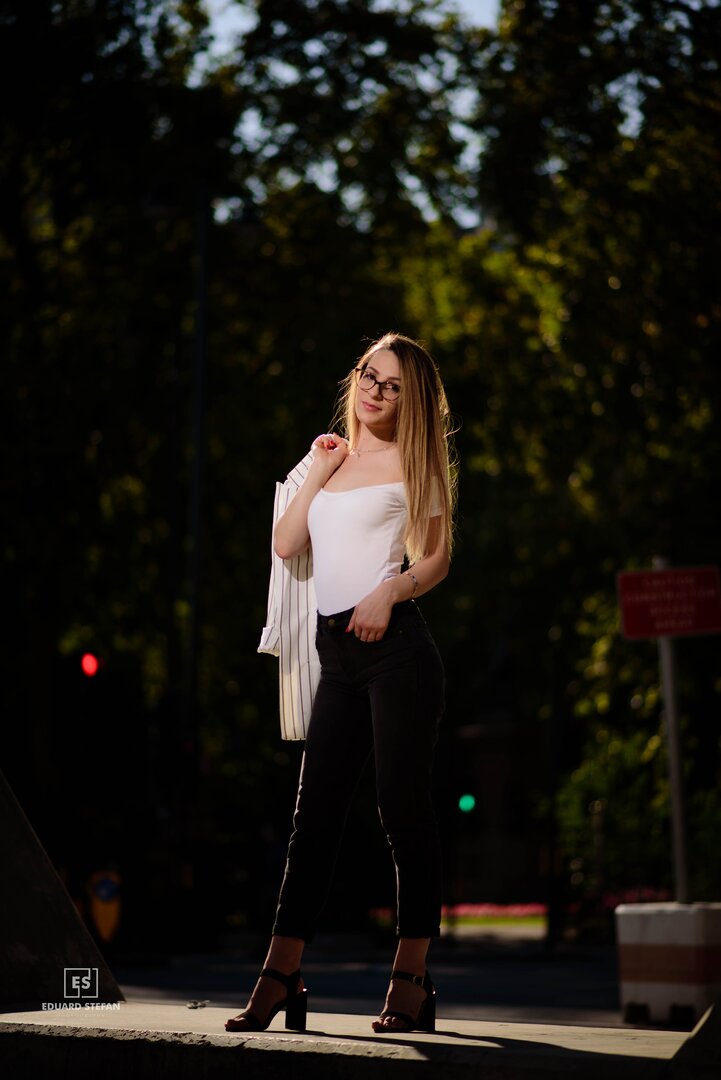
x: 675, y: 768
x: 665, y: 603
x: 673, y: 741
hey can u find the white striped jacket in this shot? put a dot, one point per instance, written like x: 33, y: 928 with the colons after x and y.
x: 290, y: 625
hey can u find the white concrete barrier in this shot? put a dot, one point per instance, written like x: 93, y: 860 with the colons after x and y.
x: 669, y: 959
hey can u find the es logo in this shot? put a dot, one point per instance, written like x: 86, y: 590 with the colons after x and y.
x: 81, y: 983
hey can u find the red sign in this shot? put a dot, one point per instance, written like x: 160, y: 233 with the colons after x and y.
x: 670, y: 603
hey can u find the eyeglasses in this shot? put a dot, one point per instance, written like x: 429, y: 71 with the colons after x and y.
x: 367, y: 381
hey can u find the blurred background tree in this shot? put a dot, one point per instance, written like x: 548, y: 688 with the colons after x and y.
x: 539, y: 203
x: 601, y: 169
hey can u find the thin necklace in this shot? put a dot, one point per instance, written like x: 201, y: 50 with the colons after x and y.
x: 381, y: 450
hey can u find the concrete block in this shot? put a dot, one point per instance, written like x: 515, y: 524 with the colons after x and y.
x: 669, y: 958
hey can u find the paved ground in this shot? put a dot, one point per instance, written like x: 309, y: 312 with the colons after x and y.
x: 507, y: 1010
x: 492, y: 976
x: 147, y: 1036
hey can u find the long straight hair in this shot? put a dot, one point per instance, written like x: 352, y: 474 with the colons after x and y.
x: 424, y: 434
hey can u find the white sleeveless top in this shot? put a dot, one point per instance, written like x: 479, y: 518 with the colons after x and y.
x: 357, y: 538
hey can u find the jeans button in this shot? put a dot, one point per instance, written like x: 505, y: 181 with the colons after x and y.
x: 331, y: 622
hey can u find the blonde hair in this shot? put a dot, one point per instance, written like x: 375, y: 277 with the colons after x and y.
x: 424, y: 434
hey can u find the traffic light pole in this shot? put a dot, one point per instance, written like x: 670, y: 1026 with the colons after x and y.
x: 198, y: 460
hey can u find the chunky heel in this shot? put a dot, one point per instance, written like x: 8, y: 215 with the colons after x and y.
x: 296, y: 1011
x: 427, y: 1017
x: 295, y: 1004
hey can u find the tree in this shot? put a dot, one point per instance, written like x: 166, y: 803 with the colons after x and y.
x: 600, y: 166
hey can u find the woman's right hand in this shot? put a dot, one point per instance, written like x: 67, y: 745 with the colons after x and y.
x: 290, y: 535
x: 329, y: 451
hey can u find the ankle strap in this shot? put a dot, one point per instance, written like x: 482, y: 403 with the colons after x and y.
x: 289, y: 981
x: 419, y: 980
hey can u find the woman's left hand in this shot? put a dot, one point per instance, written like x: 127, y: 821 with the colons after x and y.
x: 371, y: 616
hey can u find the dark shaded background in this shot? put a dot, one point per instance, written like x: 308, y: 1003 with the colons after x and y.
x: 193, y: 254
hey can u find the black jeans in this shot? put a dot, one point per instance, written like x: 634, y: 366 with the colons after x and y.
x: 385, y: 697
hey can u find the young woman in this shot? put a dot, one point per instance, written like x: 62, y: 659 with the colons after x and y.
x: 385, y: 489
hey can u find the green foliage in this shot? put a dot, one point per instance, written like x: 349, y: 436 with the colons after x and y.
x: 600, y: 164
x: 358, y: 99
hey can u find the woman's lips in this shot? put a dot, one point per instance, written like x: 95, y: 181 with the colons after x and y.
x: 373, y: 408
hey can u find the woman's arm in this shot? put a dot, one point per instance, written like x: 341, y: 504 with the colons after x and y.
x: 428, y: 571
x: 371, y: 616
x: 290, y: 535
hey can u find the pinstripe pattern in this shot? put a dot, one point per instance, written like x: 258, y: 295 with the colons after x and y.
x: 289, y: 632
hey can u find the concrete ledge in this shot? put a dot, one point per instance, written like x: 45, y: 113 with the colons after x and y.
x: 41, y: 932
x: 145, y: 1041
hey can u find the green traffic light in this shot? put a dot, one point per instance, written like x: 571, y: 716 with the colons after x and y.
x: 466, y: 803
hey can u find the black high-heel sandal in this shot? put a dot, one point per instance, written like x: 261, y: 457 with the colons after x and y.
x: 426, y: 1018
x: 295, y: 1003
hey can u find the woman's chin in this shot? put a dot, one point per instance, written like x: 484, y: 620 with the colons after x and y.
x: 374, y: 420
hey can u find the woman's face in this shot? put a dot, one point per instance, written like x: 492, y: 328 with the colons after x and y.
x: 372, y: 409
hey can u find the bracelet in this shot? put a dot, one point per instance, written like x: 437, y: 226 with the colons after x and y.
x: 415, y: 583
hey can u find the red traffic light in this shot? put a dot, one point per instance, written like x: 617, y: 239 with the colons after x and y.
x: 90, y: 664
